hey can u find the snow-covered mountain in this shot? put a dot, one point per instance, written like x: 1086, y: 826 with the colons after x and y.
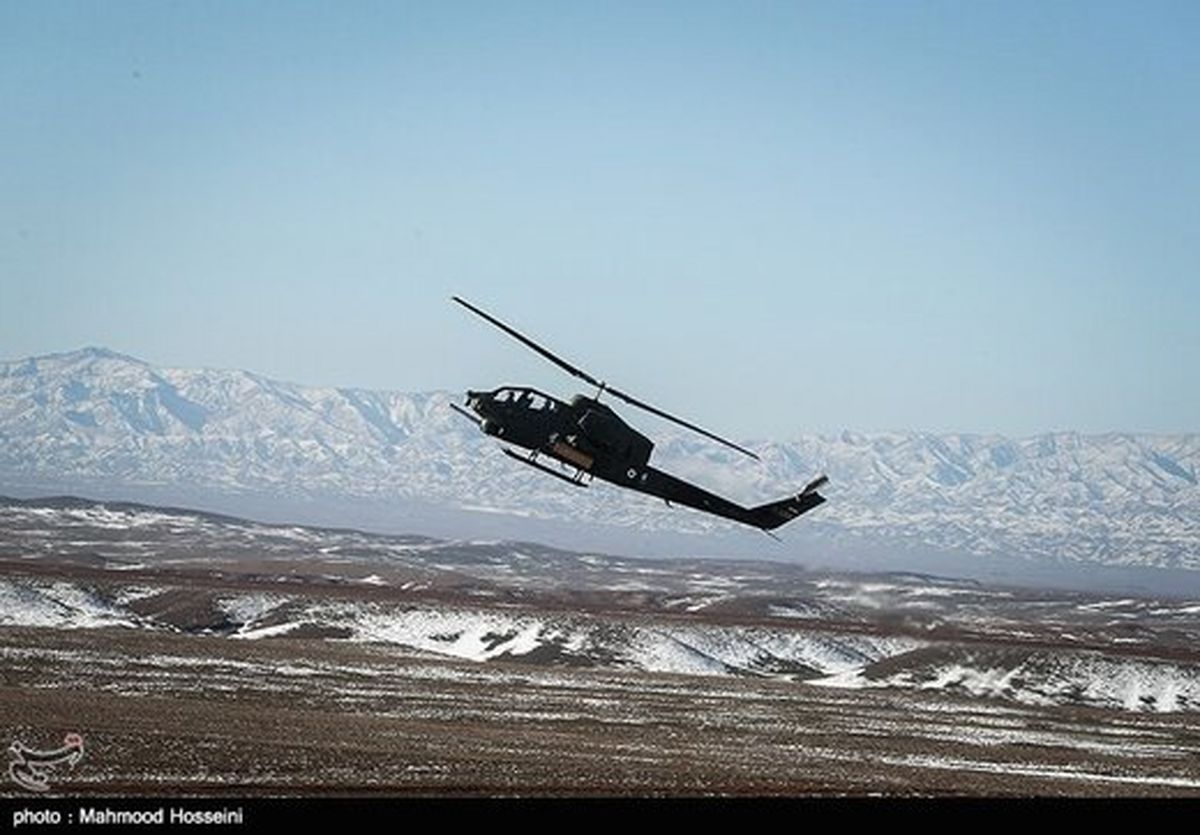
x: 92, y: 417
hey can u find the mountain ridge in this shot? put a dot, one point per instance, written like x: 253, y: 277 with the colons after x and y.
x: 96, y: 415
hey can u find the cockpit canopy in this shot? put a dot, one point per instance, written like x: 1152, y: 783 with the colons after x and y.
x: 526, y: 398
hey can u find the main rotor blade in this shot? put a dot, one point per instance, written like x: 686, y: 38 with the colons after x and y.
x: 583, y: 375
x: 560, y: 362
x: 633, y: 401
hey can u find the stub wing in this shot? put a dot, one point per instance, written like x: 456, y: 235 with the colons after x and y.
x: 766, y: 517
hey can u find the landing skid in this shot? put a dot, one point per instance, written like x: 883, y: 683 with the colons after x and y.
x: 533, y: 462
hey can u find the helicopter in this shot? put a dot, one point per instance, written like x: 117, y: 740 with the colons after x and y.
x: 589, y: 440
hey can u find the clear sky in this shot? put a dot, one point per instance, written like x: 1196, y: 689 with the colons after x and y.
x: 772, y: 218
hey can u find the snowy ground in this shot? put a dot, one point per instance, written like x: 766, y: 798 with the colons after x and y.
x: 208, y: 655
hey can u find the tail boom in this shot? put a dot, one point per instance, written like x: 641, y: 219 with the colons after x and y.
x: 674, y: 490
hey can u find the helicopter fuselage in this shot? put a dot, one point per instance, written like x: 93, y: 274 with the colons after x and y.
x: 588, y: 437
x: 591, y: 441
x: 583, y: 433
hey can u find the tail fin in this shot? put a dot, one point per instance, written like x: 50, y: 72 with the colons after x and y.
x: 771, y: 516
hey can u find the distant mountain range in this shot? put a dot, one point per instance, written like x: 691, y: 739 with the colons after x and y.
x: 92, y: 417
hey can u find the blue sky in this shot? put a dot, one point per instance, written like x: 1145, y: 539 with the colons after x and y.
x: 772, y: 218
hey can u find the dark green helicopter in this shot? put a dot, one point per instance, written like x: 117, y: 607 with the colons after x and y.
x: 589, y: 438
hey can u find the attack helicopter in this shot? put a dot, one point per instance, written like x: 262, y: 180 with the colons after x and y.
x: 589, y: 440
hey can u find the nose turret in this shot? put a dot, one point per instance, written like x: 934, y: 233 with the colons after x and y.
x: 476, y: 401
x: 479, y: 402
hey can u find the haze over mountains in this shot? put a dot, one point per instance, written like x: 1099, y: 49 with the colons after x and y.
x: 95, y: 422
